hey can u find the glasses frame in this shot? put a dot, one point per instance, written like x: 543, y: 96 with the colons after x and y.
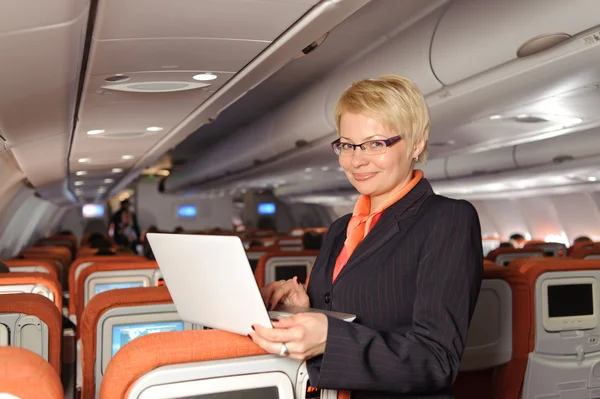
x: 388, y: 143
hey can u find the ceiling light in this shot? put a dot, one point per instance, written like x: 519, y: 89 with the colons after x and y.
x: 325, y: 168
x: 117, y: 170
x: 81, y: 173
x: 108, y: 181
x: 205, y: 76
x: 522, y: 116
x: 102, y: 190
x: 495, y: 117
x: 592, y: 178
x: 94, y: 132
x: 307, y: 170
x: 83, y: 160
x: 340, y: 169
x: 127, y: 157
x: 154, y: 129
x: 78, y: 183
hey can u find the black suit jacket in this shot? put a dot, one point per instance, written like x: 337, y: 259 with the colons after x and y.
x: 413, y: 283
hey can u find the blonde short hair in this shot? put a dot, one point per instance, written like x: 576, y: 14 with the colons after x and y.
x: 394, y: 101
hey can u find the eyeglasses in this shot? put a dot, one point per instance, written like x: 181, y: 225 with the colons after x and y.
x: 371, y: 147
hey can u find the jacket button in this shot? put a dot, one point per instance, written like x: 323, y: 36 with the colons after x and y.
x: 327, y: 297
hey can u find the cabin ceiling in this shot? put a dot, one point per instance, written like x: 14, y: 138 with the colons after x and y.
x: 93, y: 93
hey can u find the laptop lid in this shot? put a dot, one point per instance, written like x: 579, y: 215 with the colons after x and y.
x: 210, y: 280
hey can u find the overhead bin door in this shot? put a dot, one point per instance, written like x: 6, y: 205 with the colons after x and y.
x: 477, y: 35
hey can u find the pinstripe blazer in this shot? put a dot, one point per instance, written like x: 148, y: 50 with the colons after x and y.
x: 413, y: 283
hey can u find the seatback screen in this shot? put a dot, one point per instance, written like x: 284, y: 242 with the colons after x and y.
x: 285, y: 272
x: 123, y: 334
x: 570, y: 300
x: 262, y: 393
x: 115, y: 286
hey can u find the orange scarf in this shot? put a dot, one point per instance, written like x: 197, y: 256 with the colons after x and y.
x: 363, y: 220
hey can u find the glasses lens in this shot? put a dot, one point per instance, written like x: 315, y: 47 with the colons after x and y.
x: 374, y: 147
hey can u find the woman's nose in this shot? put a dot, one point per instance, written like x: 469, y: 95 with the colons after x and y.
x: 359, y: 158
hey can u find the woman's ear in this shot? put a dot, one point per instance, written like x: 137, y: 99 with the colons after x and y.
x: 418, y: 149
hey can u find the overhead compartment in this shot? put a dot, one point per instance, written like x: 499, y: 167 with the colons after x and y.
x: 309, y: 116
x: 406, y: 54
x: 474, y: 36
x: 574, y: 146
x: 480, y: 163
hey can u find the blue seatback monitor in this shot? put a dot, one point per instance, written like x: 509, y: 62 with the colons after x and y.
x: 115, y: 286
x: 266, y: 208
x: 123, y: 334
x: 187, y: 211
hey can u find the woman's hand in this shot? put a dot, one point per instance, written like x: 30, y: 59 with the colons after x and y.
x: 304, y: 335
x: 287, y: 292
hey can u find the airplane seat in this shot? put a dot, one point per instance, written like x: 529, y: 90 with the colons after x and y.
x: 586, y: 251
x: 495, y: 357
x: 189, y: 363
x: 564, y: 359
x: 289, y: 243
x: 26, y: 375
x: 282, y: 265
x: 503, y: 256
x: 35, y: 266
x: 34, y: 283
x: 110, y: 313
x: 254, y: 254
x: 58, y: 254
x: 32, y: 322
x: 108, y: 276
x: 81, y: 263
x: 549, y: 248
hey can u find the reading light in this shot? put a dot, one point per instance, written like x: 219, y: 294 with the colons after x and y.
x: 325, y: 168
x: 78, y: 183
x: 84, y: 160
x: 109, y: 181
x: 102, y: 190
x: 308, y: 170
x: 205, y: 76
x: 81, y: 173
x: 592, y: 178
x: 127, y: 157
x: 117, y: 170
x: 495, y: 117
x: 154, y: 129
x: 94, y: 132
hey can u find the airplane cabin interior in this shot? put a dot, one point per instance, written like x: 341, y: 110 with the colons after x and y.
x: 216, y: 117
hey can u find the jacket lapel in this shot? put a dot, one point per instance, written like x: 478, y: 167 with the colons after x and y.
x: 389, y: 225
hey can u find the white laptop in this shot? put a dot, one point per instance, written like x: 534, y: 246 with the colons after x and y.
x: 212, y: 284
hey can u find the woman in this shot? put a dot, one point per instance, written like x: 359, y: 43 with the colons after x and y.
x: 407, y: 262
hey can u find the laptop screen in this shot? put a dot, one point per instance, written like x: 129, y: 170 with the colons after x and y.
x: 286, y: 272
x: 123, y: 334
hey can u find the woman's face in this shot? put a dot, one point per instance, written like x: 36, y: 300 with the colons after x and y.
x: 374, y: 175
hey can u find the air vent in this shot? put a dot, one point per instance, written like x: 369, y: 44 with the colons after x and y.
x: 156, y: 87
x: 562, y: 158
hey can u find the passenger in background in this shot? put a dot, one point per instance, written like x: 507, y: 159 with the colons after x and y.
x: 127, y: 231
x: 517, y: 240
x: 4, y: 268
x: 255, y: 243
x: 583, y: 239
x: 105, y: 247
x: 178, y: 230
x: 407, y: 262
x: 506, y: 245
x: 312, y: 240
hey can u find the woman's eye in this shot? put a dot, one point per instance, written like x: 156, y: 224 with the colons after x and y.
x: 376, y: 144
x: 347, y: 146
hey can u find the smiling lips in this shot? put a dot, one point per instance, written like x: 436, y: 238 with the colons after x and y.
x: 363, y: 176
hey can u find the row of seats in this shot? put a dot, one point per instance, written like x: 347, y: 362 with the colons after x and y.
x: 535, y: 332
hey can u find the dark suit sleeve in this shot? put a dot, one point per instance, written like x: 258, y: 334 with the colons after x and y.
x: 426, y: 358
